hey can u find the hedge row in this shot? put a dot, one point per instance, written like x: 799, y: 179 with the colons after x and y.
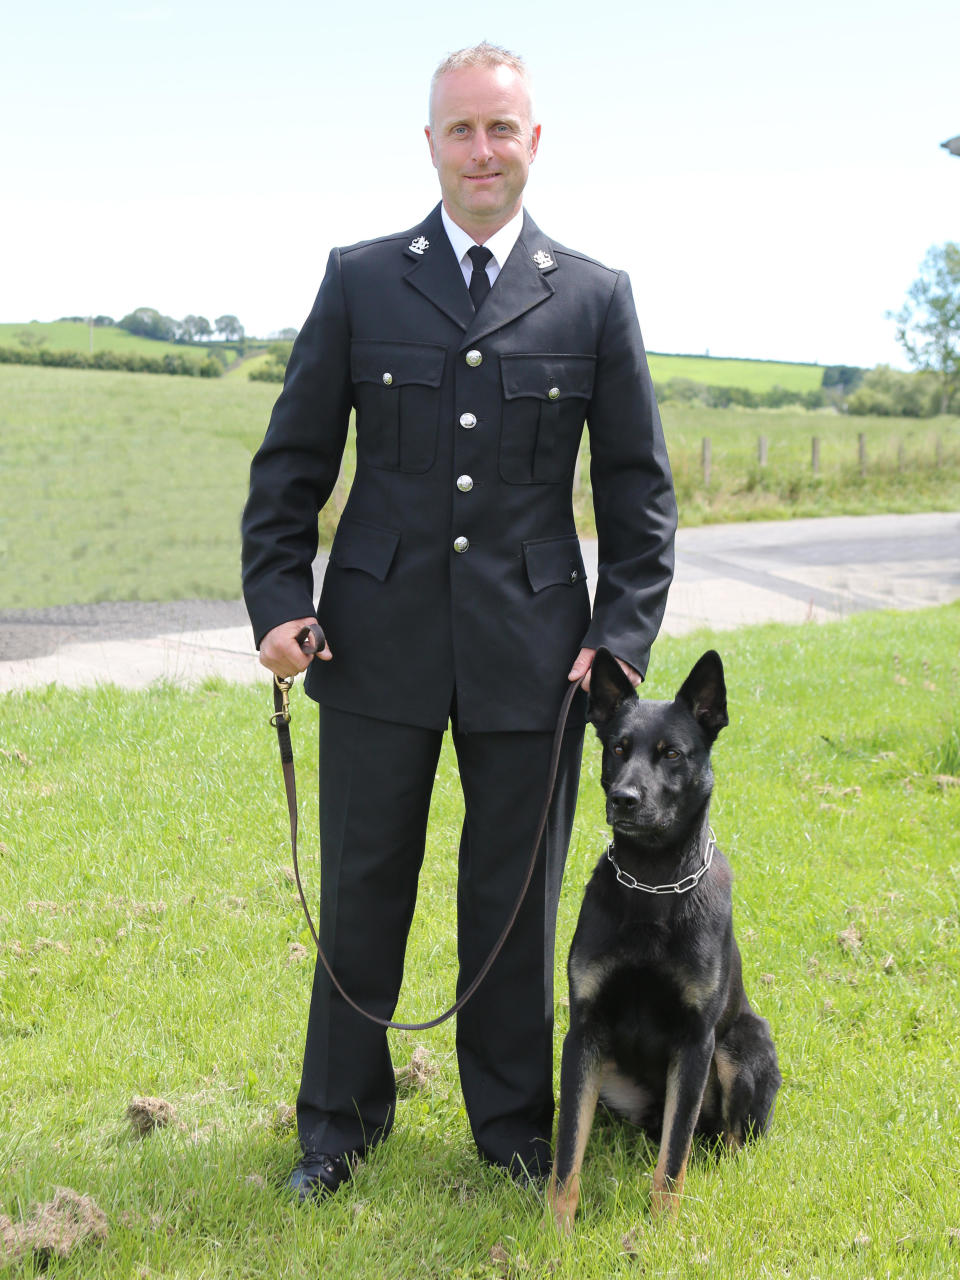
x: 686, y: 391
x: 269, y: 372
x: 131, y: 362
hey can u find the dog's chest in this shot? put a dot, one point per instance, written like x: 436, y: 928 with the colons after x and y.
x: 637, y: 1003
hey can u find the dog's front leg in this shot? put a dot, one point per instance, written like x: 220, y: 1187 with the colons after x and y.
x: 579, y: 1088
x: 686, y: 1081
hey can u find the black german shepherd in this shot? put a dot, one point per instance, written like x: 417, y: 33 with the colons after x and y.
x: 661, y: 1030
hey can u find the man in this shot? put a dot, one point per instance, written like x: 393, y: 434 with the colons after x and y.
x: 472, y: 348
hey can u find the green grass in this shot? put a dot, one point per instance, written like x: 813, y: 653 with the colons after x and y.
x: 152, y: 945
x: 754, y: 375
x: 118, y: 486
x: 740, y: 489
x: 69, y: 335
x: 121, y: 486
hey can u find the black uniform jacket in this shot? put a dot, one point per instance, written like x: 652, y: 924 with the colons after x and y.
x: 456, y: 566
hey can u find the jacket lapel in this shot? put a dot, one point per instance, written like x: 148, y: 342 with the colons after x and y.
x: 521, y: 284
x: 435, y: 271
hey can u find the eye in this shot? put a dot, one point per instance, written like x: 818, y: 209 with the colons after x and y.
x: 671, y: 753
x: 619, y: 748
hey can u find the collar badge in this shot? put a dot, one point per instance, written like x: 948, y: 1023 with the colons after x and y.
x: 542, y: 259
x: 419, y: 244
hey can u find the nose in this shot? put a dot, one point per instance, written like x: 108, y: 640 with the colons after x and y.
x: 482, y: 151
x: 623, y: 800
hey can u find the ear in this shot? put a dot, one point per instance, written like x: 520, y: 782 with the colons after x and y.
x: 704, y: 693
x: 609, y: 687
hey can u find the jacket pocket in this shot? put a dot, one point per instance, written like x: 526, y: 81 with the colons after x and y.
x: 364, y: 546
x: 554, y: 562
x: 397, y: 396
x: 545, y: 405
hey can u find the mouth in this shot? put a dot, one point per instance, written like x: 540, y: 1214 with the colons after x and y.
x: 623, y: 827
x: 482, y: 177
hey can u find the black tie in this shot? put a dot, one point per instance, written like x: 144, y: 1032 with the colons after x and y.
x: 479, y: 281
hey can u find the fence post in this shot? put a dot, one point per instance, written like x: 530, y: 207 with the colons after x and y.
x: 862, y: 453
x: 706, y: 460
x: 762, y: 451
x: 815, y: 455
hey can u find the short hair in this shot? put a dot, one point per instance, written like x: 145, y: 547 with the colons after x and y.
x: 483, y: 54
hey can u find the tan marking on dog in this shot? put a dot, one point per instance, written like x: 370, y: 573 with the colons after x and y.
x: 587, y: 980
x: 727, y: 1071
x: 563, y: 1199
x: 665, y: 1198
x: 623, y: 1095
x: 697, y: 991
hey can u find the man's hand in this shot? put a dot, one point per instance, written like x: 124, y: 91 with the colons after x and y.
x: 280, y: 653
x: 585, y: 661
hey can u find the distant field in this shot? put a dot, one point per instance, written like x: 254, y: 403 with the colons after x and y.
x: 117, y: 486
x: 754, y: 375
x: 67, y: 335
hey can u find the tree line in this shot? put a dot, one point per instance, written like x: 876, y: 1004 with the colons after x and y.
x: 147, y: 322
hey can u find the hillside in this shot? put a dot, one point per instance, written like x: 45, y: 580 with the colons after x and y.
x: 68, y: 335
x: 754, y: 375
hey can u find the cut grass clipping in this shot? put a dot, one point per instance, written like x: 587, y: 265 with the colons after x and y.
x: 154, y: 964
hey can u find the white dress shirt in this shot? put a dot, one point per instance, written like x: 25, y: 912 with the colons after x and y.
x: 499, y: 244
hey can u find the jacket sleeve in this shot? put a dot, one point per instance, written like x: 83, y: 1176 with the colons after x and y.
x: 295, y: 469
x: 633, y: 498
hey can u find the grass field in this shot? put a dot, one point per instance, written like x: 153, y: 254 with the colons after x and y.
x: 68, y: 335
x: 117, y: 486
x: 754, y: 375
x: 151, y: 944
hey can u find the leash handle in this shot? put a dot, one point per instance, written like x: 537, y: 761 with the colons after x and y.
x: 281, y: 722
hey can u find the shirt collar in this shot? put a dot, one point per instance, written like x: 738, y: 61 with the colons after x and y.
x: 500, y: 243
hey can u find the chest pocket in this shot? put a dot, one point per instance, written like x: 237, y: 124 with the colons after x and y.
x: 397, y: 395
x: 545, y: 404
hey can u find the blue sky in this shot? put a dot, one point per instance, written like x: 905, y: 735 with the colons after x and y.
x: 769, y: 174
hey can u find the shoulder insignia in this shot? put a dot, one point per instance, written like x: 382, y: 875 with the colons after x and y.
x: 542, y: 259
x: 419, y: 244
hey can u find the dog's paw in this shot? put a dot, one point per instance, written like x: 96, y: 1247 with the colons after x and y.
x: 664, y: 1201
x: 563, y: 1204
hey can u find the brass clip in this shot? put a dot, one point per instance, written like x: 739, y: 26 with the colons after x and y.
x: 284, y: 684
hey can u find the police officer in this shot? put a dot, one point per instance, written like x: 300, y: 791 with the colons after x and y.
x: 472, y: 349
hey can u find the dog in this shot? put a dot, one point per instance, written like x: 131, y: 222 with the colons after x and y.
x: 661, y: 1030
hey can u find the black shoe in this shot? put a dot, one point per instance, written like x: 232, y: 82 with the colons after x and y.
x: 318, y: 1174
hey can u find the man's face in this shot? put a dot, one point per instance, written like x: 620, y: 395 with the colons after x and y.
x: 482, y: 144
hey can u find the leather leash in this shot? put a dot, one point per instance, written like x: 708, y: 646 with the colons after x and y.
x: 311, y: 640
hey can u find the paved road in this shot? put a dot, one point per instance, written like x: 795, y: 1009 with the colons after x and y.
x: 727, y: 576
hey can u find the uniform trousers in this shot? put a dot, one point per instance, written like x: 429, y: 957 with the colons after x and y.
x: 376, y: 779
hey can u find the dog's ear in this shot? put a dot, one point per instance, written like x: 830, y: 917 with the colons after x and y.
x: 609, y: 686
x: 705, y: 694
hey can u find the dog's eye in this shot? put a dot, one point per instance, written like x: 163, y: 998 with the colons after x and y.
x: 671, y: 753
x: 618, y: 749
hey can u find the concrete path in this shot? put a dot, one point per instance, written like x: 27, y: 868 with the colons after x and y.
x: 727, y: 576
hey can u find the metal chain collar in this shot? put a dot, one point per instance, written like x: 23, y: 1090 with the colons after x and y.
x: 681, y: 886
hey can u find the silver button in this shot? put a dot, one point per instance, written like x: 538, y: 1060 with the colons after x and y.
x: 461, y: 544
x: 388, y: 379
x: 464, y: 483
x: 474, y: 358
x: 554, y: 393
x: 468, y: 420
x: 574, y: 575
